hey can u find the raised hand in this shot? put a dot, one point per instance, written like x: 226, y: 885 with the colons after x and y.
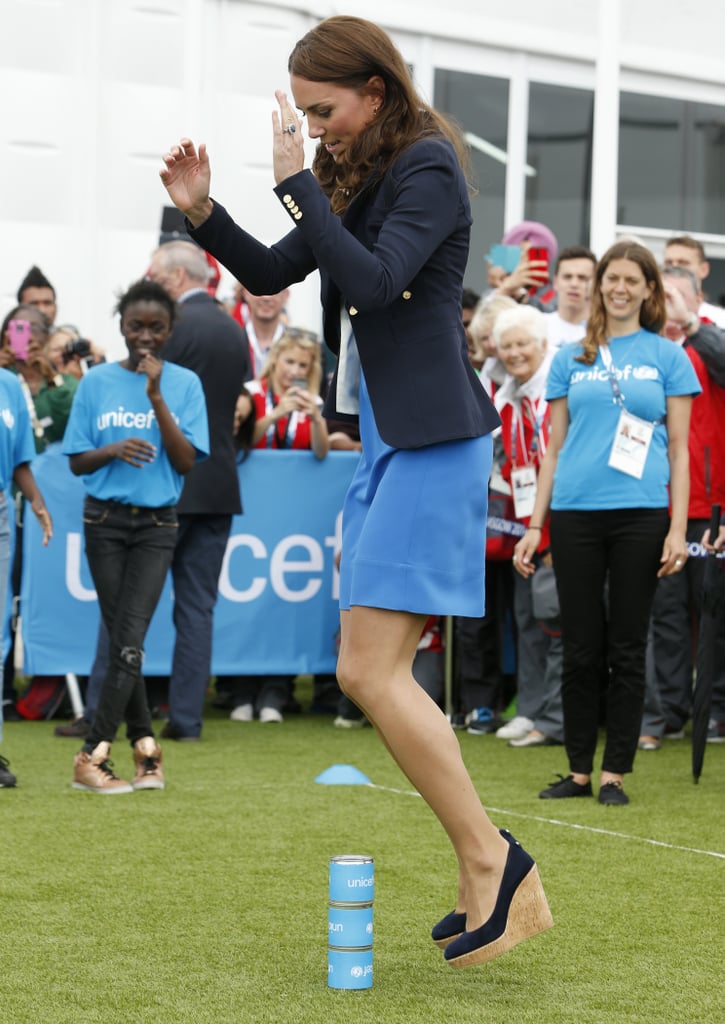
x: 288, y: 155
x: 152, y: 367
x: 187, y: 178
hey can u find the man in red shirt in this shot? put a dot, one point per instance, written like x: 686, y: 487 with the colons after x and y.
x: 668, y: 700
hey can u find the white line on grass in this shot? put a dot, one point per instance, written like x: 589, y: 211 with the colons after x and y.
x: 571, y: 824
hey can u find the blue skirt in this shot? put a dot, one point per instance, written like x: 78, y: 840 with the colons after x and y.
x: 414, y: 525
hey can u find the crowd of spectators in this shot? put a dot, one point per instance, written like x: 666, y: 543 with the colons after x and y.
x: 263, y: 380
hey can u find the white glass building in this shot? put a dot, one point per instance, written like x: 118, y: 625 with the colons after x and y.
x: 597, y: 117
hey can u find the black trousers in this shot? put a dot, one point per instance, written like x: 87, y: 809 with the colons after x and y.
x: 479, y: 643
x: 129, y: 552
x: 623, y: 547
x: 677, y: 600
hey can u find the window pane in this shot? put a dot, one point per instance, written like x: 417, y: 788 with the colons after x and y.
x: 705, y: 168
x: 651, y: 148
x: 479, y: 103
x: 559, y: 150
x: 671, y: 164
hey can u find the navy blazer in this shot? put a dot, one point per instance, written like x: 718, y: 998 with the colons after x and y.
x: 396, y: 259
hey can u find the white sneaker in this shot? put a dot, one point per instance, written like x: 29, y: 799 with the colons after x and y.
x: 349, y: 723
x: 516, y: 729
x: 243, y: 713
x: 270, y: 715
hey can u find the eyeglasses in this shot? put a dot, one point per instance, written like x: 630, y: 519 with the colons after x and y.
x: 301, y: 333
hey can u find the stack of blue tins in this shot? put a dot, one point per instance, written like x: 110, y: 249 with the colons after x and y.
x: 350, y: 922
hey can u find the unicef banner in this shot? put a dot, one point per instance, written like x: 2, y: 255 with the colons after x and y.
x: 277, y: 609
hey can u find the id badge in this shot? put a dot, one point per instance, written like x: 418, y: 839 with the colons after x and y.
x: 523, y: 485
x: 632, y: 439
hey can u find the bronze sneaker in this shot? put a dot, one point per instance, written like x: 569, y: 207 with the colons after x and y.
x: 148, y: 760
x: 94, y: 773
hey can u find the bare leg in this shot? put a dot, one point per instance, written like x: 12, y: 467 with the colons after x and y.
x: 375, y: 670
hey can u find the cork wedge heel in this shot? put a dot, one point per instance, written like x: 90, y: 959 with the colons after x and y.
x: 521, y: 912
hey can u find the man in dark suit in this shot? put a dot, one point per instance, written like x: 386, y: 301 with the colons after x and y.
x: 208, y: 341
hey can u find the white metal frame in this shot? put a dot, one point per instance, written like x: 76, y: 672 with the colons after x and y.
x: 606, y: 77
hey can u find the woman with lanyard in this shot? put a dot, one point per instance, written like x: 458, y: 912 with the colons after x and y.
x: 288, y: 413
x: 521, y: 340
x: 384, y: 215
x: 620, y: 411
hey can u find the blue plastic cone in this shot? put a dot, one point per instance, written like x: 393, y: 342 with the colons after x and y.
x: 343, y: 775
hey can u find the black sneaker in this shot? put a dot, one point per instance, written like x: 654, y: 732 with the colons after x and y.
x: 716, y: 731
x: 481, y: 722
x: 11, y: 713
x: 7, y: 779
x: 565, y: 787
x: 612, y: 793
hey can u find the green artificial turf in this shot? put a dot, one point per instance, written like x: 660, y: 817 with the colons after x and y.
x: 208, y: 902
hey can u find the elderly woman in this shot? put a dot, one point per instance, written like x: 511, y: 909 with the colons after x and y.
x: 520, y: 338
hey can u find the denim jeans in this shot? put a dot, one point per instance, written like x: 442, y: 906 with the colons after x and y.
x: 622, y: 546
x: 195, y: 569
x: 4, y: 567
x: 129, y: 551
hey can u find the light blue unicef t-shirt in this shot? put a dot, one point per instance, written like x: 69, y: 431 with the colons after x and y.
x: 648, y: 369
x: 111, y: 405
x: 16, y: 435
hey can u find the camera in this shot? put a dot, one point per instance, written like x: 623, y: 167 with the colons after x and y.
x: 79, y: 348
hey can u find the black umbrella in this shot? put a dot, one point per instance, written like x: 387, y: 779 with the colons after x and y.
x: 711, y: 607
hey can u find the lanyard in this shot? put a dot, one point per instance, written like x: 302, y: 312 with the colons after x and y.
x: 273, y: 431
x: 27, y: 395
x: 617, y: 396
x: 538, y: 438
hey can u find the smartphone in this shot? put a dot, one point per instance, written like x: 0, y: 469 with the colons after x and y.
x: 300, y: 383
x: 19, y: 332
x: 539, y: 253
x: 505, y: 256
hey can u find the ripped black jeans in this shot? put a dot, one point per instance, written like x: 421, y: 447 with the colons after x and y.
x: 129, y: 551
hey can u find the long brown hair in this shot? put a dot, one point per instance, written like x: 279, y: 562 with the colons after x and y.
x: 652, y: 313
x: 349, y: 52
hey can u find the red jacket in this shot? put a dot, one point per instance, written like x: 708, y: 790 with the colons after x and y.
x: 706, y: 351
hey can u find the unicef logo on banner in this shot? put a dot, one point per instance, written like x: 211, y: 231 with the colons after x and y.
x: 279, y: 573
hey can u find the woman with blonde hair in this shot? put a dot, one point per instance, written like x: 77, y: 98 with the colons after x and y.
x: 285, y: 399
